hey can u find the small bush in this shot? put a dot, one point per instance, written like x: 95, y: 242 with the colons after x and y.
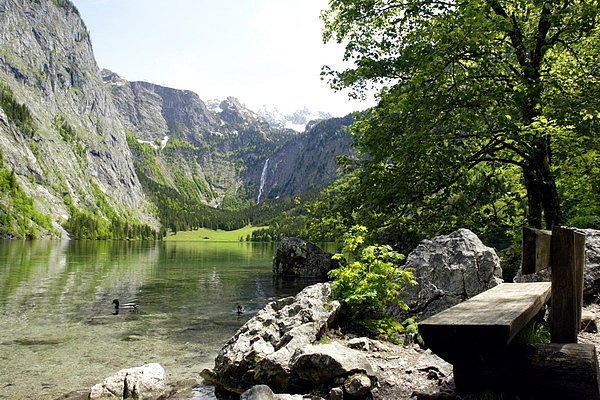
x: 369, y: 284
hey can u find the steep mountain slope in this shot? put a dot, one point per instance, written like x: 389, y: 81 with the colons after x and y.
x: 91, y: 153
x: 307, y: 162
x: 65, y: 148
x: 216, y: 153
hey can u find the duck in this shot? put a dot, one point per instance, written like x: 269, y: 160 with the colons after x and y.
x: 126, y: 306
x: 240, y: 309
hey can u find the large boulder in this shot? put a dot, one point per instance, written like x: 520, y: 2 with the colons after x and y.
x: 591, y: 269
x: 450, y: 269
x: 298, y: 258
x: 145, y: 382
x: 261, y: 350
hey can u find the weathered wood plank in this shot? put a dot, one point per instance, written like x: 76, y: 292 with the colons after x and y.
x: 484, y: 323
x: 536, y: 250
x: 567, y: 258
x: 540, y: 371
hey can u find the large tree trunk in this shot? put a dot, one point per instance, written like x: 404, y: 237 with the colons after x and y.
x: 542, y: 195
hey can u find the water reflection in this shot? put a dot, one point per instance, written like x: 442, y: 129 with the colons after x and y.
x: 56, y: 311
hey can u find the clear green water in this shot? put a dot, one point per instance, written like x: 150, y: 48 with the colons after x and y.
x: 57, y: 330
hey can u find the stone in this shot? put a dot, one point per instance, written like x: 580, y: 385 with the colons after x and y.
x: 258, y: 392
x: 428, y: 362
x: 263, y: 392
x: 358, y: 385
x: 361, y: 343
x: 336, y: 393
x: 323, y: 363
x: 297, y: 258
x: 588, y: 322
x: 591, y: 269
x: 261, y: 350
x: 145, y: 382
x: 449, y: 269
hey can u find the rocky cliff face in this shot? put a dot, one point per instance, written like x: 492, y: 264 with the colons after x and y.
x: 77, y: 141
x: 307, y: 162
x: 219, y: 149
x: 74, y: 151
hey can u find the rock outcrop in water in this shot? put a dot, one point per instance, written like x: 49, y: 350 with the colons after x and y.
x: 267, y: 348
x: 145, y: 382
x: 297, y: 258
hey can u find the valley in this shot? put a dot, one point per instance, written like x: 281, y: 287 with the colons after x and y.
x: 98, y: 157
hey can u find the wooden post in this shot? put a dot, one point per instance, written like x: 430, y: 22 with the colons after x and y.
x: 536, y: 250
x: 567, y: 254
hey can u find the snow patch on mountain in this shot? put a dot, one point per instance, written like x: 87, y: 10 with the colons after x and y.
x: 296, y: 121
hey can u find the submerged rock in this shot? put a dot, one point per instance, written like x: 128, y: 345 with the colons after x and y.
x: 261, y: 351
x: 297, y: 258
x: 145, y: 382
x: 450, y: 269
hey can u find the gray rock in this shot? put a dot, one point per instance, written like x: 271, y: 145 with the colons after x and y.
x: 588, y: 322
x: 298, y: 258
x: 430, y: 362
x: 323, y: 363
x: 358, y: 385
x: 258, y: 392
x: 450, y: 269
x: 336, y: 393
x: 260, y: 352
x: 263, y: 392
x: 360, y: 343
x: 591, y: 270
x: 145, y: 382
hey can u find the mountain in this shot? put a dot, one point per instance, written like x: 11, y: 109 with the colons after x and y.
x: 307, y: 162
x: 60, y: 134
x: 299, y: 121
x: 202, y: 151
x: 87, y: 153
x: 217, y: 151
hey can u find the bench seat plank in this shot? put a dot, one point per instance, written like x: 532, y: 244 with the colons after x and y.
x: 486, y: 322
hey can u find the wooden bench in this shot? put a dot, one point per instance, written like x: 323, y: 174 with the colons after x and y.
x: 485, y: 323
x: 476, y: 335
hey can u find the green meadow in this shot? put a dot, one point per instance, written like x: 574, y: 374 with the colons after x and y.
x: 209, y: 235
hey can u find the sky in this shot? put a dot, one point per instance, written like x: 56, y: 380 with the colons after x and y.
x: 264, y: 52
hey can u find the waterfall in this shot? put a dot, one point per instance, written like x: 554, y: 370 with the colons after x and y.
x: 263, y: 178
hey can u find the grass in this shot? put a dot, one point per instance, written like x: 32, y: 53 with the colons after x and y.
x: 209, y: 235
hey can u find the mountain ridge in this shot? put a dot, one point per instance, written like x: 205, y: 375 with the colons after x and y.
x: 87, y: 148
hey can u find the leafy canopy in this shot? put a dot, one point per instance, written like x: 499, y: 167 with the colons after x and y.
x: 472, y: 89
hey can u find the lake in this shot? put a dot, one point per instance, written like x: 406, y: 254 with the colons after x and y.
x: 57, y: 328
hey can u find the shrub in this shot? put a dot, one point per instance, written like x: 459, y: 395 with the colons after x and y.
x: 370, y: 283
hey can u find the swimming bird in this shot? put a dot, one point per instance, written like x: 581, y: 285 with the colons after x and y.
x: 240, y: 309
x: 126, y: 306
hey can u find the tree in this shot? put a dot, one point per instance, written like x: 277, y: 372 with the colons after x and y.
x: 468, y: 85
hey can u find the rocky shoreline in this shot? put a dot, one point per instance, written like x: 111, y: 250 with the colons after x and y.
x: 294, y: 346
